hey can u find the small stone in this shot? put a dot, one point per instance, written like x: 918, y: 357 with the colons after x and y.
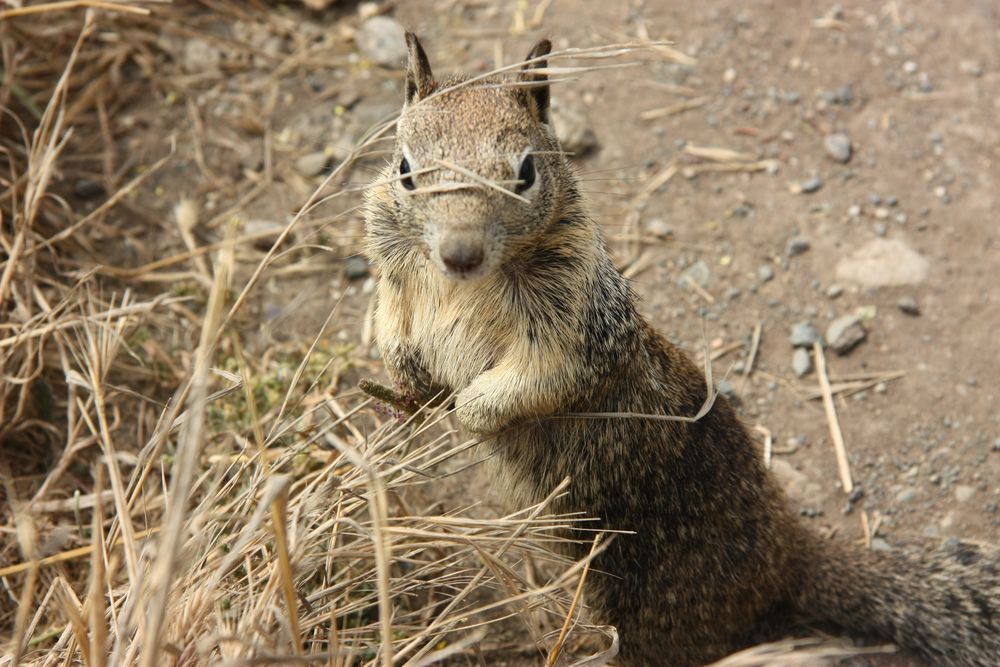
x: 765, y: 273
x: 879, y: 544
x: 87, y: 189
x: 857, y: 493
x: 834, y: 291
x: 801, y: 361
x: 265, y: 232
x: 845, y: 333
x: 971, y: 67
x: 996, y: 445
x: 659, y: 228
x: 838, y: 146
x: 881, y: 229
x: 574, y: 132
x: 797, y: 246
x: 906, y: 495
x: 382, y: 40
x: 726, y: 389
x: 964, y: 493
x: 356, y: 267
x: 732, y: 293
x: 811, y: 185
x: 698, y: 273
x: 312, y: 164
x: 804, y: 334
x: 874, y: 198
x: 909, y: 306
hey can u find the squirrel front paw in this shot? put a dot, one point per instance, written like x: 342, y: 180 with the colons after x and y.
x: 475, y: 411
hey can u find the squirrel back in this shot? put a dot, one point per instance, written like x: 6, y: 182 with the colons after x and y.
x: 496, y: 286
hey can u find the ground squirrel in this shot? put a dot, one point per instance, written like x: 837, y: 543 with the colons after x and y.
x: 496, y: 284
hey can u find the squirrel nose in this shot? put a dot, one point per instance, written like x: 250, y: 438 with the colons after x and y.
x: 461, y: 256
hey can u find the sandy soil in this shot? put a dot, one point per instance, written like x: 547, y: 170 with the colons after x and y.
x: 916, y: 88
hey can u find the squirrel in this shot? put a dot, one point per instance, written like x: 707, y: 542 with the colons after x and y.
x: 496, y: 286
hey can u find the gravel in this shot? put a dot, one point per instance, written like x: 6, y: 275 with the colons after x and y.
x: 811, y: 185
x: 797, y: 246
x: 801, y: 361
x: 382, y: 40
x: 765, y: 273
x: 909, y: 306
x: 312, y: 164
x: 845, y: 333
x: 804, y: 334
x: 838, y: 146
x: 356, y: 267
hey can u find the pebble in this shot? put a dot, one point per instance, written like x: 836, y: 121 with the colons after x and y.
x: 659, y: 228
x: 268, y: 230
x: 765, y: 273
x: 698, y: 273
x: 838, y: 146
x: 797, y: 246
x: 804, y: 334
x: 881, y: 229
x: 811, y: 185
x: 845, y: 333
x: 834, y: 291
x: 87, y: 189
x: 909, y: 306
x: 356, y: 267
x: 312, y: 164
x: 801, y: 361
x: 382, y: 40
x: 573, y: 131
x: 996, y: 445
x: 906, y: 495
x: 879, y: 544
x: 964, y: 493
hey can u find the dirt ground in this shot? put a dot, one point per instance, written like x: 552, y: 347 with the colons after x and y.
x: 914, y: 85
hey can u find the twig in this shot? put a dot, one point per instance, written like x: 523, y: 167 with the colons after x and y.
x: 831, y: 417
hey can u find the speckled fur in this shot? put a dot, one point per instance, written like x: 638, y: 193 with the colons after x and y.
x: 551, y: 327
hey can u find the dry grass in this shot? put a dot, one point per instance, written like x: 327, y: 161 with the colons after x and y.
x: 170, y: 497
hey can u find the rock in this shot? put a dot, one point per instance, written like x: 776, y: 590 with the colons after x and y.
x: 811, y: 185
x: 801, y: 361
x: 267, y: 230
x: 574, y: 132
x: 659, y: 228
x: 964, y: 493
x: 200, y: 55
x: 834, y: 291
x: 797, y: 246
x: 88, y: 189
x: 382, y: 40
x: 909, y: 306
x: 838, y: 146
x: 879, y: 544
x: 312, y: 164
x: 996, y: 445
x: 883, y: 263
x: 765, y: 273
x: 356, y: 267
x: 906, y: 495
x: 845, y: 333
x: 804, y: 334
x: 697, y: 273
x: 880, y: 229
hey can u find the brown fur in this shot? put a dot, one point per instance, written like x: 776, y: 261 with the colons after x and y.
x: 547, y: 326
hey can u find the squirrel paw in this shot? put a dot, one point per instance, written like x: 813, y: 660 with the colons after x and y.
x: 472, y: 408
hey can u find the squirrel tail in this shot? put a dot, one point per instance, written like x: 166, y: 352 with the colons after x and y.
x: 943, y: 602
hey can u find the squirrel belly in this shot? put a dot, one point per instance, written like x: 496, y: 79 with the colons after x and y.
x: 496, y: 285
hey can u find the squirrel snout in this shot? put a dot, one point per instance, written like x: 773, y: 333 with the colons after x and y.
x: 462, y: 255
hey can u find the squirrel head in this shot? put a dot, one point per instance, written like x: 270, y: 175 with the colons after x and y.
x: 477, y: 172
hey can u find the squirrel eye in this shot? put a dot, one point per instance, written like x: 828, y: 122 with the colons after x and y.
x: 526, y: 174
x: 404, y: 169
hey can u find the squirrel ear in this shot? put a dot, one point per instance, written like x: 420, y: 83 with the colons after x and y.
x: 419, y: 79
x: 538, y: 94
